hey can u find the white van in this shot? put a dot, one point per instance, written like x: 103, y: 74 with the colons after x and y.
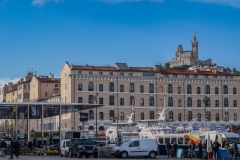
x: 137, y: 147
x: 64, y: 147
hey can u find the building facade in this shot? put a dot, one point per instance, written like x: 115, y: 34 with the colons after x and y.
x: 121, y: 87
x: 188, y: 57
x: 43, y: 87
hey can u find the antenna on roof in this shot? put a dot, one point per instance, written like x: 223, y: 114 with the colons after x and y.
x: 35, y: 72
x: 106, y: 64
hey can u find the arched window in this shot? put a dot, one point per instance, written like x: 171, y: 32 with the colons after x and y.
x: 207, y: 89
x: 91, y: 114
x: 90, y: 128
x: 216, y: 103
x: 189, y: 115
x: 208, y: 102
x: 217, y: 117
x: 101, y: 116
x: 179, y: 103
x: 131, y: 87
x: 170, y: 101
x: 225, y: 89
x: 234, y: 103
x: 208, y: 116
x: 79, y: 86
x: 225, y: 102
x: 100, y: 100
x: 199, y: 103
x: 151, y: 88
x: 216, y: 90
x: 111, y: 114
x: 199, y: 116
x: 90, y: 99
x: 90, y: 86
x: 151, y: 115
x: 151, y: 101
x: 189, y: 89
x: 189, y: 102
x: 234, y: 90
x: 169, y: 88
x: 131, y: 100
x: 142, y: 115
x: 141, y: 102
x: 101, y: 128
x: 226, y: 116
x: 111, y: 87
x: 122, y: 116
x: 179, y: 117
x: 235, y: 116
x: 170, y: 115
x: 111, y: 100
x: 100, y: 87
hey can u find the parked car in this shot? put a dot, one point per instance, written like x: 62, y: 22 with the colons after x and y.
x: 80, y: 146
x: 64, y: 147
x: 137, y: 147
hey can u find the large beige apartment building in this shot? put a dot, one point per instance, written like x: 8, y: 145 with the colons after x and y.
x: 120, y: 87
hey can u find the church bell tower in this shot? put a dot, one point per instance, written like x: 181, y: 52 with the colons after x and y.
x: 195, y: 46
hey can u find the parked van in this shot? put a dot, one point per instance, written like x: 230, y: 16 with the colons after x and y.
x: 64, y: 147
x: 137, y: 147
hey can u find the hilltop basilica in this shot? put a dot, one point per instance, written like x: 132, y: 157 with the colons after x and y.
x: 188, y: 57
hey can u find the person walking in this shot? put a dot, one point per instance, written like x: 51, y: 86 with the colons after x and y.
x: 175, y: 147
x: 192, y: 150
x: 200, y: 149
x: 216, y: 146
x: 167, y: 146
x: 3, y: 147
x: 17, y: 148
x: 205, y: 154
x: 235, y: 149
x: 12, y: 146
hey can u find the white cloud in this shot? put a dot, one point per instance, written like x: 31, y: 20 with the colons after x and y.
x: 4, y: 81
x: 121, y: 1
x: 232, y: 3
x: 40, y: 3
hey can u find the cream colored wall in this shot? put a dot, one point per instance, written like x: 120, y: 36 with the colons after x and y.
x: 46, y: 88
x: 161, y: 91
x: 34, y: 89
x: 65, y: 79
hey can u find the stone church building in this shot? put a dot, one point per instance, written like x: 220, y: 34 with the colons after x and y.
x: 188, y: 57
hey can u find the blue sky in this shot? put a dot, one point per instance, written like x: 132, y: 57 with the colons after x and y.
x: 43, y: 34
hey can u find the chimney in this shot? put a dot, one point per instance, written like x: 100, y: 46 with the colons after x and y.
x: 51, y: 75
x: 156, y: 67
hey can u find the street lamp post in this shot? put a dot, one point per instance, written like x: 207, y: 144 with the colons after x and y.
x: 205, y: 103
x: 95, y: 98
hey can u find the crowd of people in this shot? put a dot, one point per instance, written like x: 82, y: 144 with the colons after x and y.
x: 203, y: 149
x: 14, y: 147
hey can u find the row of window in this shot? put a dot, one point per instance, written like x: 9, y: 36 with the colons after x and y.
x: 198, y: 91
x: 111, y: 100
x: 151, y: 88
x: 152, y: 74
x: 111, y: 87
x: 151, y: 101
x: 207, y: 102
x: 196, y: 76
x: 170, y: 115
